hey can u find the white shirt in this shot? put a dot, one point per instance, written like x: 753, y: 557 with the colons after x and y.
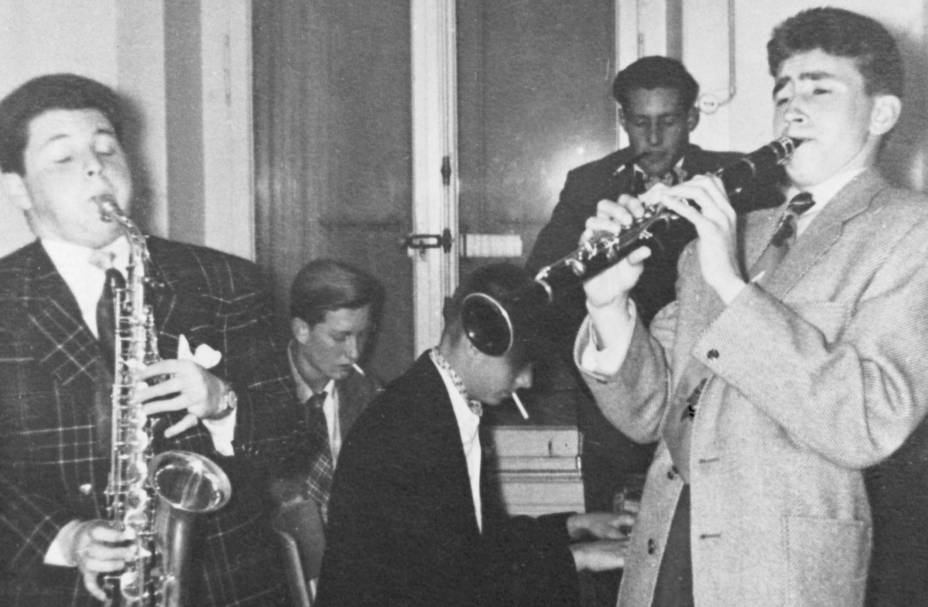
x: 85, y: 279
x: 468, y: 426
x: 329, y: 406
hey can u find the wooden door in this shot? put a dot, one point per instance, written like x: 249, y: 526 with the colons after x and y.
x: 332, y: 150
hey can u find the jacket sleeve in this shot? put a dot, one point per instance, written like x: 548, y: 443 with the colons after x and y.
x: 846, y: 379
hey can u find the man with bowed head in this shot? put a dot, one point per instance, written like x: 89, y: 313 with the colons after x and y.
x: 793, y: 357
x: 225, y: 394
x: 412, y: 519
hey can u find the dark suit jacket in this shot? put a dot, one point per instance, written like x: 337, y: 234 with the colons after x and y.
x: 607, y: 453
x: 54, y: 460
x: 402, y: 529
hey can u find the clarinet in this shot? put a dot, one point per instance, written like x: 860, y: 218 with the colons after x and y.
x: 491, y: 325
x: 605, y: 250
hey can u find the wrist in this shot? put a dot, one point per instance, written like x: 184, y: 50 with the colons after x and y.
x: 228, y: 402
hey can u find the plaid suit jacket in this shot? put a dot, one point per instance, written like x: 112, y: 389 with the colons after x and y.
x: 54, y: 461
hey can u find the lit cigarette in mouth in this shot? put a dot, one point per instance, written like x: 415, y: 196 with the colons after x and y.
x: 357, y: 368
x: 518, y: 402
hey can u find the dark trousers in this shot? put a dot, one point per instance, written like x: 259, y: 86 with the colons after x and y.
x: 675, y: 578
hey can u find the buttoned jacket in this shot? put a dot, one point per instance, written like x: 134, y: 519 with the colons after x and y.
x: 815, y: 376
x: 402, y: 527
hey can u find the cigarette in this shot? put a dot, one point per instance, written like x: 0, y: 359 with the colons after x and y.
x: 357, y: 368
x: 518, y: 402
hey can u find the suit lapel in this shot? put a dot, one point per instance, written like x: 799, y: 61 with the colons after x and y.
x: 824, y: 231
x: 64, y: 345
x: 448, y: 440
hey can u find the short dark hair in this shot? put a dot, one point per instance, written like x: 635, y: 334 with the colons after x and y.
x: 325, y: 285
x: 45, y: 93
x: 841, y: 33
x: 656, y: 72
x: 508, y: 284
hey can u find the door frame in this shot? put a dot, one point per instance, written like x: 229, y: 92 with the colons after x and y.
x: 434, y: 162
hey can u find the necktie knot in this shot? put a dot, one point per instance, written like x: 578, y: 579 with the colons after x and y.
x: 317, y: 400
x: 786, y: 228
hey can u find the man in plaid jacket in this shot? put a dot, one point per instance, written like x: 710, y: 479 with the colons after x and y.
x: 61, y: 152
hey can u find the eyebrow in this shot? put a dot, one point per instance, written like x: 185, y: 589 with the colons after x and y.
x: 100, y: 131
x: 815, y: 76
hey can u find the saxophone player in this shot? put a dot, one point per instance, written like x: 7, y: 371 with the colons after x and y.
x: 225, y: 395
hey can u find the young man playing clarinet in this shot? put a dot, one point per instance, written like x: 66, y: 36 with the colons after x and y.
x: 794, y: 355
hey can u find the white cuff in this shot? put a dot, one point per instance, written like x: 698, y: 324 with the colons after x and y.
x: 222, y: 432
x: 58, y: 552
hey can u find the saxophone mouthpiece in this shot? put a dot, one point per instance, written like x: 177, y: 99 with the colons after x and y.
x: 108, y: 207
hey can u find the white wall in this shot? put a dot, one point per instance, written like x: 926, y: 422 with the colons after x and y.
x: 743, y: 120
x: 42, y: 36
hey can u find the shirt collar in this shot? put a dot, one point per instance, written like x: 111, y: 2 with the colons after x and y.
x: 825, y: 191
x: 69, y: 257
x: 467, y: 420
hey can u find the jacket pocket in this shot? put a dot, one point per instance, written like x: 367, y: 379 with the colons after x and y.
x: 827, y: 561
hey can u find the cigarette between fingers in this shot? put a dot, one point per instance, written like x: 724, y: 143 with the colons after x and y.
x: 518, y: 402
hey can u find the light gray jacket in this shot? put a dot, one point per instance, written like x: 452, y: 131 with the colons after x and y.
x: 817, y: 375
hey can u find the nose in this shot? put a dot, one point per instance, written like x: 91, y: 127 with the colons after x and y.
x: 352, y: 349
x: 792, y: 112
x: 655, y: 135
x: 92, y: 165
x: 523, y: 379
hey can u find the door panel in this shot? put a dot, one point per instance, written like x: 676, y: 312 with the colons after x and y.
x: 332, y: 150
x: 534, y: 101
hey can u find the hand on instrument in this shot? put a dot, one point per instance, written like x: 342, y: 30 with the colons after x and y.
x: 612, y: 286
x: 188, y: 387
x: 600, y: 555
x: 98, y: 547
x: 716, y: 226
x: 600, y: 525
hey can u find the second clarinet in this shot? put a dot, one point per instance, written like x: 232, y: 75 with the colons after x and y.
x: 492, y: 326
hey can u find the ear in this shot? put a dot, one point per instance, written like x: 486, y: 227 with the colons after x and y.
x: 885, y: 114
x: 15, y: 190
x: 300, y: 330
x: 692, y: 118
x: 622, y: 119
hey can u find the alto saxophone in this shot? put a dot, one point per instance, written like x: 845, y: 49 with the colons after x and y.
x: 154, y: 497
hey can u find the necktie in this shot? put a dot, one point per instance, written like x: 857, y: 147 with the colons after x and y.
x: 106, y: 315
x: 783, y: 236
x: 678, y: 426
x: 322, y: 467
